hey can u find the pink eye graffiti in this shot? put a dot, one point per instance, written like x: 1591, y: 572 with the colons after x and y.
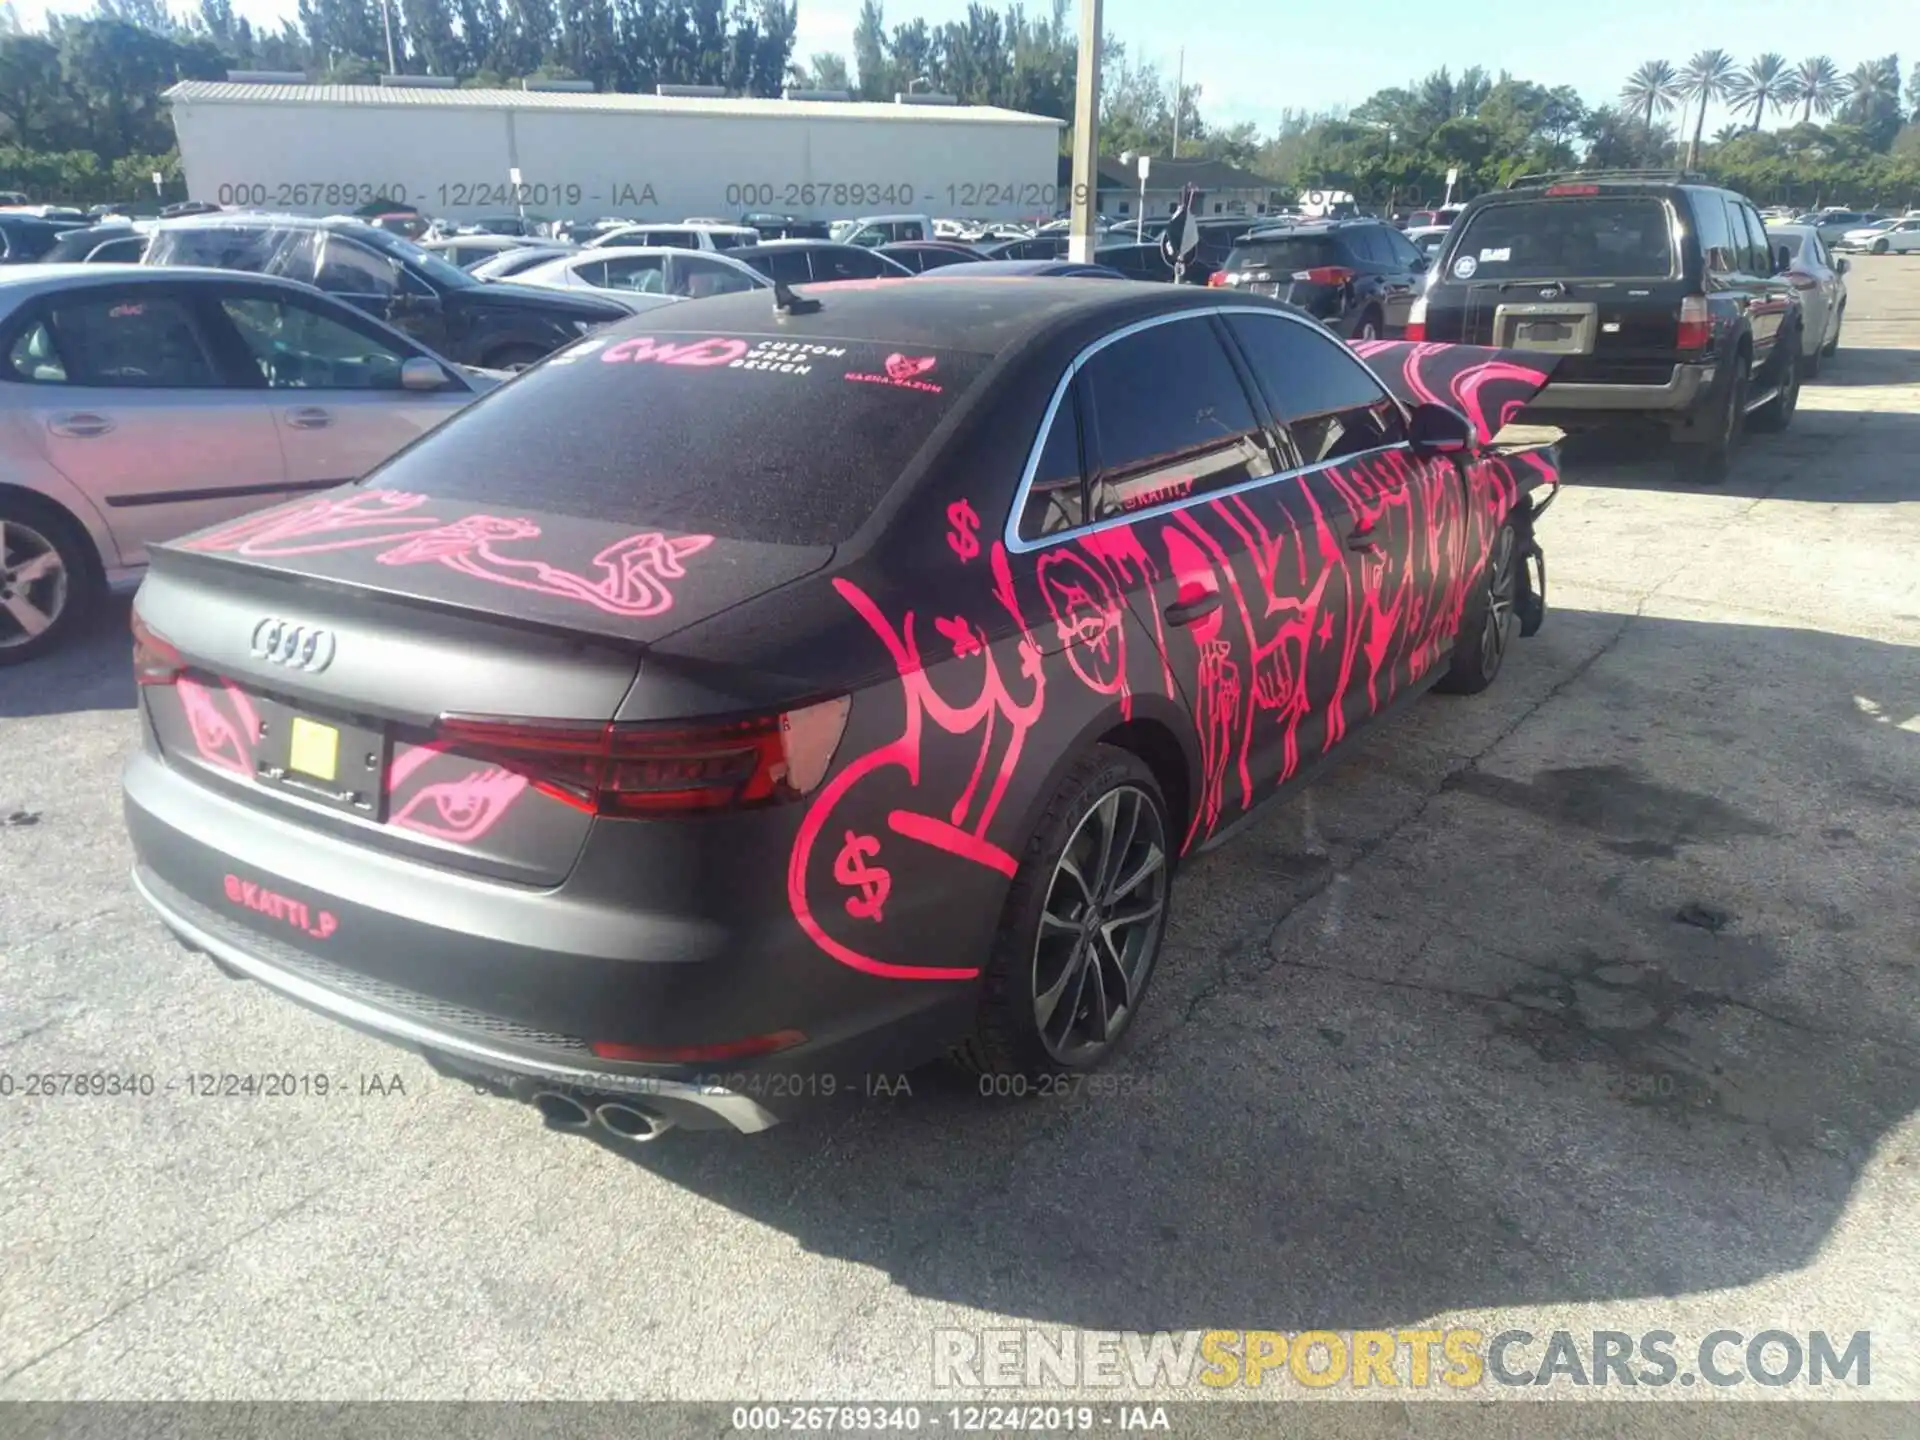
x: 461, y: 810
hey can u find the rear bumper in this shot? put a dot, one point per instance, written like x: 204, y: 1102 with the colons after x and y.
x: 482, y: 1061
x: 1681, y: 391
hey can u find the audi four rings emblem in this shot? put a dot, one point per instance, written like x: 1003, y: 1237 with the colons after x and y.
x: 300, y: 647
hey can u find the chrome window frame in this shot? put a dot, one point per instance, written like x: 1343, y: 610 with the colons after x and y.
x: 1010, y: 532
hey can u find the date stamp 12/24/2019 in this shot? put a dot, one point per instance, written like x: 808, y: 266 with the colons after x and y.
x: 32, y: 1085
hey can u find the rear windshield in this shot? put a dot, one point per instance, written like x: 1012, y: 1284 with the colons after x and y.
x: 746, y: 437
x: 1608, y: 237
x: 1295, y: 252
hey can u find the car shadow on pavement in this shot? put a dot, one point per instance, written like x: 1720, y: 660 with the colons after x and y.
x: 1806, y: 463
x: 1624, y: 1005
x: 92, y: 671
x: 1868, y: 365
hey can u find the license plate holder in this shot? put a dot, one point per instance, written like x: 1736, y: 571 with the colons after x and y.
x: 1554, y: 328
x: 332, y: 760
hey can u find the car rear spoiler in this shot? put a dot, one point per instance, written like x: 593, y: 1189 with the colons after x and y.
x: 1488, y: 386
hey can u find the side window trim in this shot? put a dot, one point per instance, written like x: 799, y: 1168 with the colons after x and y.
x: 1010, y: 530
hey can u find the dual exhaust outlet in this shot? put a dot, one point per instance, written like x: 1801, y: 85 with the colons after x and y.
x: 630, y: 1122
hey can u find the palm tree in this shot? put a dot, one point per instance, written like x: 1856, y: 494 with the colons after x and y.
x: 1708, y: 76
x: 1655, y: 86
x: 1817, y: 85
x: 1873, y: 85
x: 1762, y: 86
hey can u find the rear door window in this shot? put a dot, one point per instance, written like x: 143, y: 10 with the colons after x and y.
x: 1599, y: 238
x: 748, y: 437
x: 1057, y: 499
x: 121, y: 340
x: 1714, y: 235
x: 1330, y: 404
x: 1169, y: 419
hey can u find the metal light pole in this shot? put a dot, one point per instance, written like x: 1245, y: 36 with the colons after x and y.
x: 1086, y: 138
x: 386, y: 16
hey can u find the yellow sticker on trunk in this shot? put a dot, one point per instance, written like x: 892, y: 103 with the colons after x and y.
x: 315, y: 749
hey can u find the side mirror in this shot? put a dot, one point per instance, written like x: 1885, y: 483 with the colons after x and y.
x: 420, y: 373
x: 1435, y: 429
x: 1842, y: 265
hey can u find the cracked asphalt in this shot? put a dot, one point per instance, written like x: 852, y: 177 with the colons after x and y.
x: 1590, y: 1003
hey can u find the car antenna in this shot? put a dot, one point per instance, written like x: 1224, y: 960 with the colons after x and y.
x: 786, y: 302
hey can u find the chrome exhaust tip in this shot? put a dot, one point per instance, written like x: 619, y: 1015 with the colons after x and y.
x: 562, y: 1112
x: 630, y: 1122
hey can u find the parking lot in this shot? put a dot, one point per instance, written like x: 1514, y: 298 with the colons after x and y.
x: 1590, y: 1003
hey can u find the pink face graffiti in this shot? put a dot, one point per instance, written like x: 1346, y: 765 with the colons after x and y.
x: 1090, y: 617
x: 901, y: 368
x: 222, y: 740
x: 365, y: 517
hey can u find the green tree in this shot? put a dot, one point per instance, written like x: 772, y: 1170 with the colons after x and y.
x: 1761, y: 87
x: 1815, y: 84
x: 32, y: 100
x: 1706, y: 78
x: 871, y: 62
x: 1653, y: 89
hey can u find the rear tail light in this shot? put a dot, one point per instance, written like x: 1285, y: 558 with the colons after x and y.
x: 1696, y: 324
x: 627, y: 770
x: 155, y: 662
x: 697, y: 1054
x: 1217, y: 279
x: 1325, y: 275
x: 1417, y: 319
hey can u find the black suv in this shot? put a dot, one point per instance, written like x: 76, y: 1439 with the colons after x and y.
x: 1358, y: 277
x: 1660, y: 293
x: 496, y: 325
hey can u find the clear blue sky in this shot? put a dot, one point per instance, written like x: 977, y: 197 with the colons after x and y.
x: 1256, y: 57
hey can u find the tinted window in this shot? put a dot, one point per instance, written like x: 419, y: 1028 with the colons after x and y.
x: 1402, y: 252
x: 729, y: 436
x: 1169, y: 419
x: 121, y: 252
x: 790, y: 267
x: 1366, y: 245
x: 298, y: 348
x: 645, y: 274
x: 1057, y: 499
x: 125, y: 340
x: 1287, y: 253
x: 292, y: 253
x: 695, y: 276
x: 850, y: 265
x: 1759, y: 252
x: 1619, y: 236
x: 1331, y: 405
x: 350, y: 269
x: 1713, y: 233
x: 724, y: 240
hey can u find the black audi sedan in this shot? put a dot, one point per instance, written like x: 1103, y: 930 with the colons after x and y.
x: 783, y: 688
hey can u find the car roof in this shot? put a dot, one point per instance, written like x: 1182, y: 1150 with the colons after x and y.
x: 982, y: 315
x: 983, y: 269
x: 19, y: 283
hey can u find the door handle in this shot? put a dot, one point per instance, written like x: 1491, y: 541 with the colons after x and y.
x: 82, y: 425
x: 1188, y: 612
x: 1362, y: 540
x: 309, y: 417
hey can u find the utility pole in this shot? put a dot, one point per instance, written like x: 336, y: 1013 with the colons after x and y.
x: 1179, y: 99
x: 1086, y: 139
x: 386, y: 15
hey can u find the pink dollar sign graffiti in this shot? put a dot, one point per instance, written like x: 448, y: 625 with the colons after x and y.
x: 964, y: 536
x: 850, y: 868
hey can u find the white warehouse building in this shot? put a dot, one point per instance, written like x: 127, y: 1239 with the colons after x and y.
x: 465, y: 154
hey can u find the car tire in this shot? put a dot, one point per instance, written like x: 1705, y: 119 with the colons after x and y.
x: 1707, y: 461
x: 1777, y: 414
x: 1880, y: 247
x: 1839, y: 320
x: 1370, y: 327
x: 48, y: 572
x: 514, y: 357
x: 1045, y: 1009
x: 1491, y: 619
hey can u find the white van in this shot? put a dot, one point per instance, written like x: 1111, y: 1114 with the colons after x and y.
x: 871, y: 230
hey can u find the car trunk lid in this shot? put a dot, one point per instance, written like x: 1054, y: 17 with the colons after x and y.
x: 322, y: 644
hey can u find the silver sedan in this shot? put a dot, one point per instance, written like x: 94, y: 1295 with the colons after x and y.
x: 145, y: 403
x: 1820, y: 278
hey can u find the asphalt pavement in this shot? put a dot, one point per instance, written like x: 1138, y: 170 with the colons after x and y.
x: 1592, y: 1003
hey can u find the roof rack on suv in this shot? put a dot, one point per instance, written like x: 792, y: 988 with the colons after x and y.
x: 1550, y: 177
